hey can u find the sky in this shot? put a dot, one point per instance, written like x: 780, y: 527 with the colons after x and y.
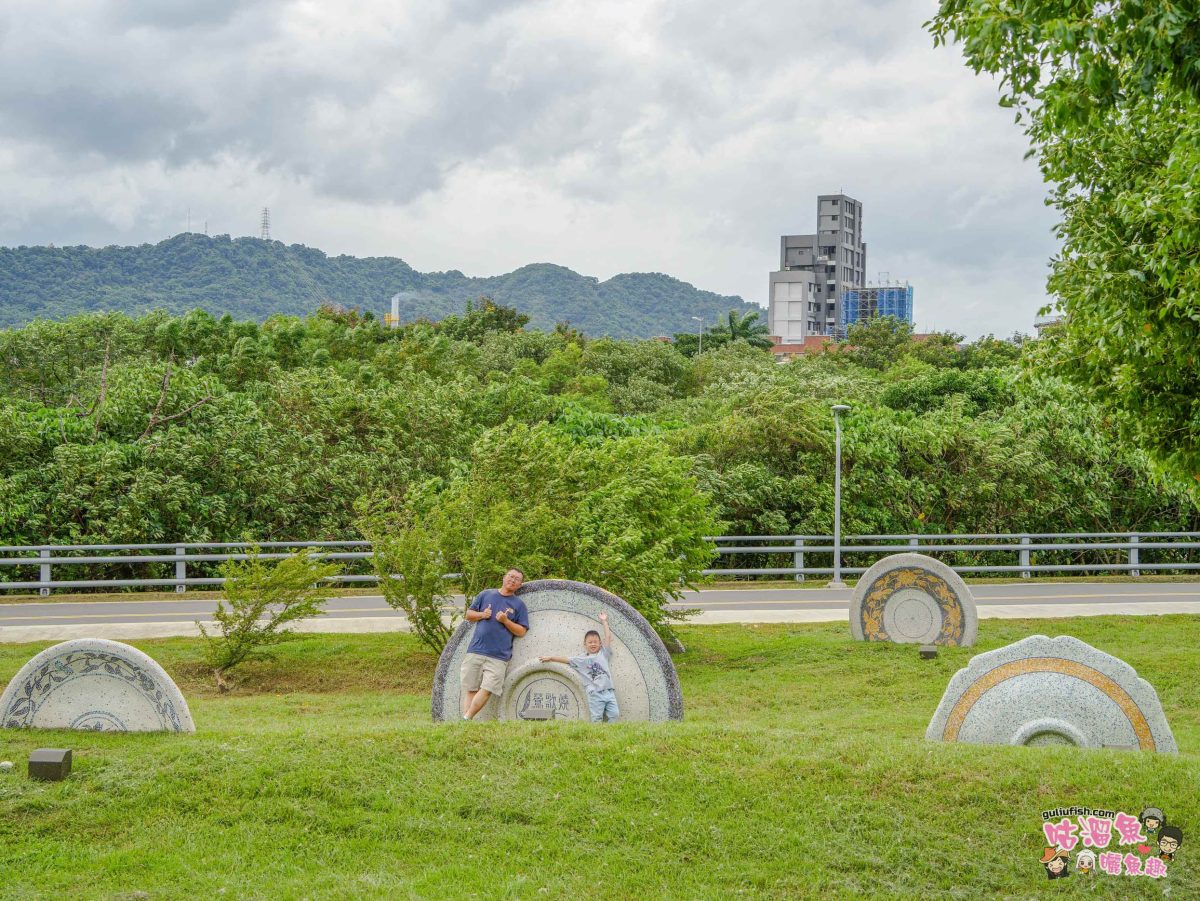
x: 483, y: 135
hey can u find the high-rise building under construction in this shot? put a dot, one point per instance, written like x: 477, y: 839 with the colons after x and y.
x: 821, y: 287
x: 885, y: 299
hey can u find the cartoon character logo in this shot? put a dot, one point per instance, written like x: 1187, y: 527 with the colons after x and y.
x: 1152, y: 819
x: 1169, y: 840
x: 1055, y: 862
x: 1085, y: 862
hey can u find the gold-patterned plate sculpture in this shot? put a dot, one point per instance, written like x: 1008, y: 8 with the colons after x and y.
x: 1051, y: 691
x: 913, y: 599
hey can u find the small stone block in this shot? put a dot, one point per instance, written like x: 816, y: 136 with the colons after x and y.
x: 928, y: 651
x: 537, y: 713
x: 50, y: 764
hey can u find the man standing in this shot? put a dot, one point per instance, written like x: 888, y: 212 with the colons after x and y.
x: 499, y: 617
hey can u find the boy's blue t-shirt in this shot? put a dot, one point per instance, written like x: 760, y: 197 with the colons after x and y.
x: 594, y: 668
x: 491, y: 637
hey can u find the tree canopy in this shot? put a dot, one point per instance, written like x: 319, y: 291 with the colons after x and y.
x: 1109, y: 96
x: 193, y: 428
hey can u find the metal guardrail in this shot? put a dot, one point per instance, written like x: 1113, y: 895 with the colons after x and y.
x: 1076, y: 545
x: 1030, y: 552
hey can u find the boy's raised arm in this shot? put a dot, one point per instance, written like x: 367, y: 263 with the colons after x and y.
x: 607, y: 630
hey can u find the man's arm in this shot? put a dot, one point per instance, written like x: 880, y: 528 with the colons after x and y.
x: 474, y: 613
x: 512, y: 625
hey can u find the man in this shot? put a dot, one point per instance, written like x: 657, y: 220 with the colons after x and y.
x: 499, y: 617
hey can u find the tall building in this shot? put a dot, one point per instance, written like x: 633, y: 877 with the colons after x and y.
x: 816, y: 271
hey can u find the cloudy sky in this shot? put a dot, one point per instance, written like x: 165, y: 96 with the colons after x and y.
x: 481, y: 135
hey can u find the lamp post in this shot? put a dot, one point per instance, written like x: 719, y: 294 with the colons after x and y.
x: 838, y: 410
x: 699, y: 334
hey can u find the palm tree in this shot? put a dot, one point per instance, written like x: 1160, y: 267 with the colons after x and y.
x: 746, y: 327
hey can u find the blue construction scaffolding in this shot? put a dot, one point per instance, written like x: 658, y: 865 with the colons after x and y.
x: 873, y: 301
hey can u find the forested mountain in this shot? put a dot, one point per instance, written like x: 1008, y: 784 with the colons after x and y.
x: 250, y: 278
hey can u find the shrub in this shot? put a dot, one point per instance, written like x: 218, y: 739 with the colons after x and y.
x: 259, y: 599
x: 410, y: 565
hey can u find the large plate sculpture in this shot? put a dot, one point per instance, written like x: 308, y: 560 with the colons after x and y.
x: 560, y: 613
x: 95, y: 685
x: 911, y: 598
x: 1051, y: 691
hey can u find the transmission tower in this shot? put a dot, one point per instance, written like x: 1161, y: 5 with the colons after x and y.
x: 266, y: 224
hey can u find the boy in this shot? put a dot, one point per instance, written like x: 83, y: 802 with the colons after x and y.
x: 597, y: 677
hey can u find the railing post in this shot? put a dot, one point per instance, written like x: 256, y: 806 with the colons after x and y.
x: 914, y: 542
x: 1134, y: 556
x: 1025, y: 556
x: 44, y: 578
x: 180, y: 570
x: 798, y: 559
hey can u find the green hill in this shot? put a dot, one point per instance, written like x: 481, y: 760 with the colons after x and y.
x: 251, y: 279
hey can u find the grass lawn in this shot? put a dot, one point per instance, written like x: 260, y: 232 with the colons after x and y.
x: 801, y: 771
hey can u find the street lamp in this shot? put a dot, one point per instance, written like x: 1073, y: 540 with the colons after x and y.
x: 838, y: 410
x: 700, y: 334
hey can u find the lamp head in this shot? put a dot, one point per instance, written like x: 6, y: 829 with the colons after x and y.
x: 841, y: 408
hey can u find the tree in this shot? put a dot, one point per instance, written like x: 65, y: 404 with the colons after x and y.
x: 879, y: 342
x: 621, y: 513
x: 744, y: 327
x: 410, y: 564
x: 262, y: 598
x: 736, y: 327
x: 1109, y: 96
x: 481, y: 320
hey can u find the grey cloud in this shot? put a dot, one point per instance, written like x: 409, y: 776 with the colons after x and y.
x: 723, y: 113
x: 177, y: 14
x: 133, y: 125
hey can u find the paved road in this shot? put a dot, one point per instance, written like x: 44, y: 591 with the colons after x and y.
x: 134, y: 619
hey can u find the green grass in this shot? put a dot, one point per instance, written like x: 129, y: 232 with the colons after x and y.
x: 801, y: 770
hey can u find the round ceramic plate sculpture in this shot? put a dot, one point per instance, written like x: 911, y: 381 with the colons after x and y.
x: 560, y: 613
x: 912, y: 598
x: 1051, y: 691
x: 96, y: 685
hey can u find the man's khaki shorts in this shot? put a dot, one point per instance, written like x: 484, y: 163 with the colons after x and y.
x: 480, y: 671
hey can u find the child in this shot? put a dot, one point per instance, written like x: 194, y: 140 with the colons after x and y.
x: 597, y: 677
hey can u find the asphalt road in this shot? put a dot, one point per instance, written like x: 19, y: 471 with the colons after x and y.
x: 1122, y: 597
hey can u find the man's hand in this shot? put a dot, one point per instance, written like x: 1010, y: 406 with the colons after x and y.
x: 487, y: 613
x: 502, y: 616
